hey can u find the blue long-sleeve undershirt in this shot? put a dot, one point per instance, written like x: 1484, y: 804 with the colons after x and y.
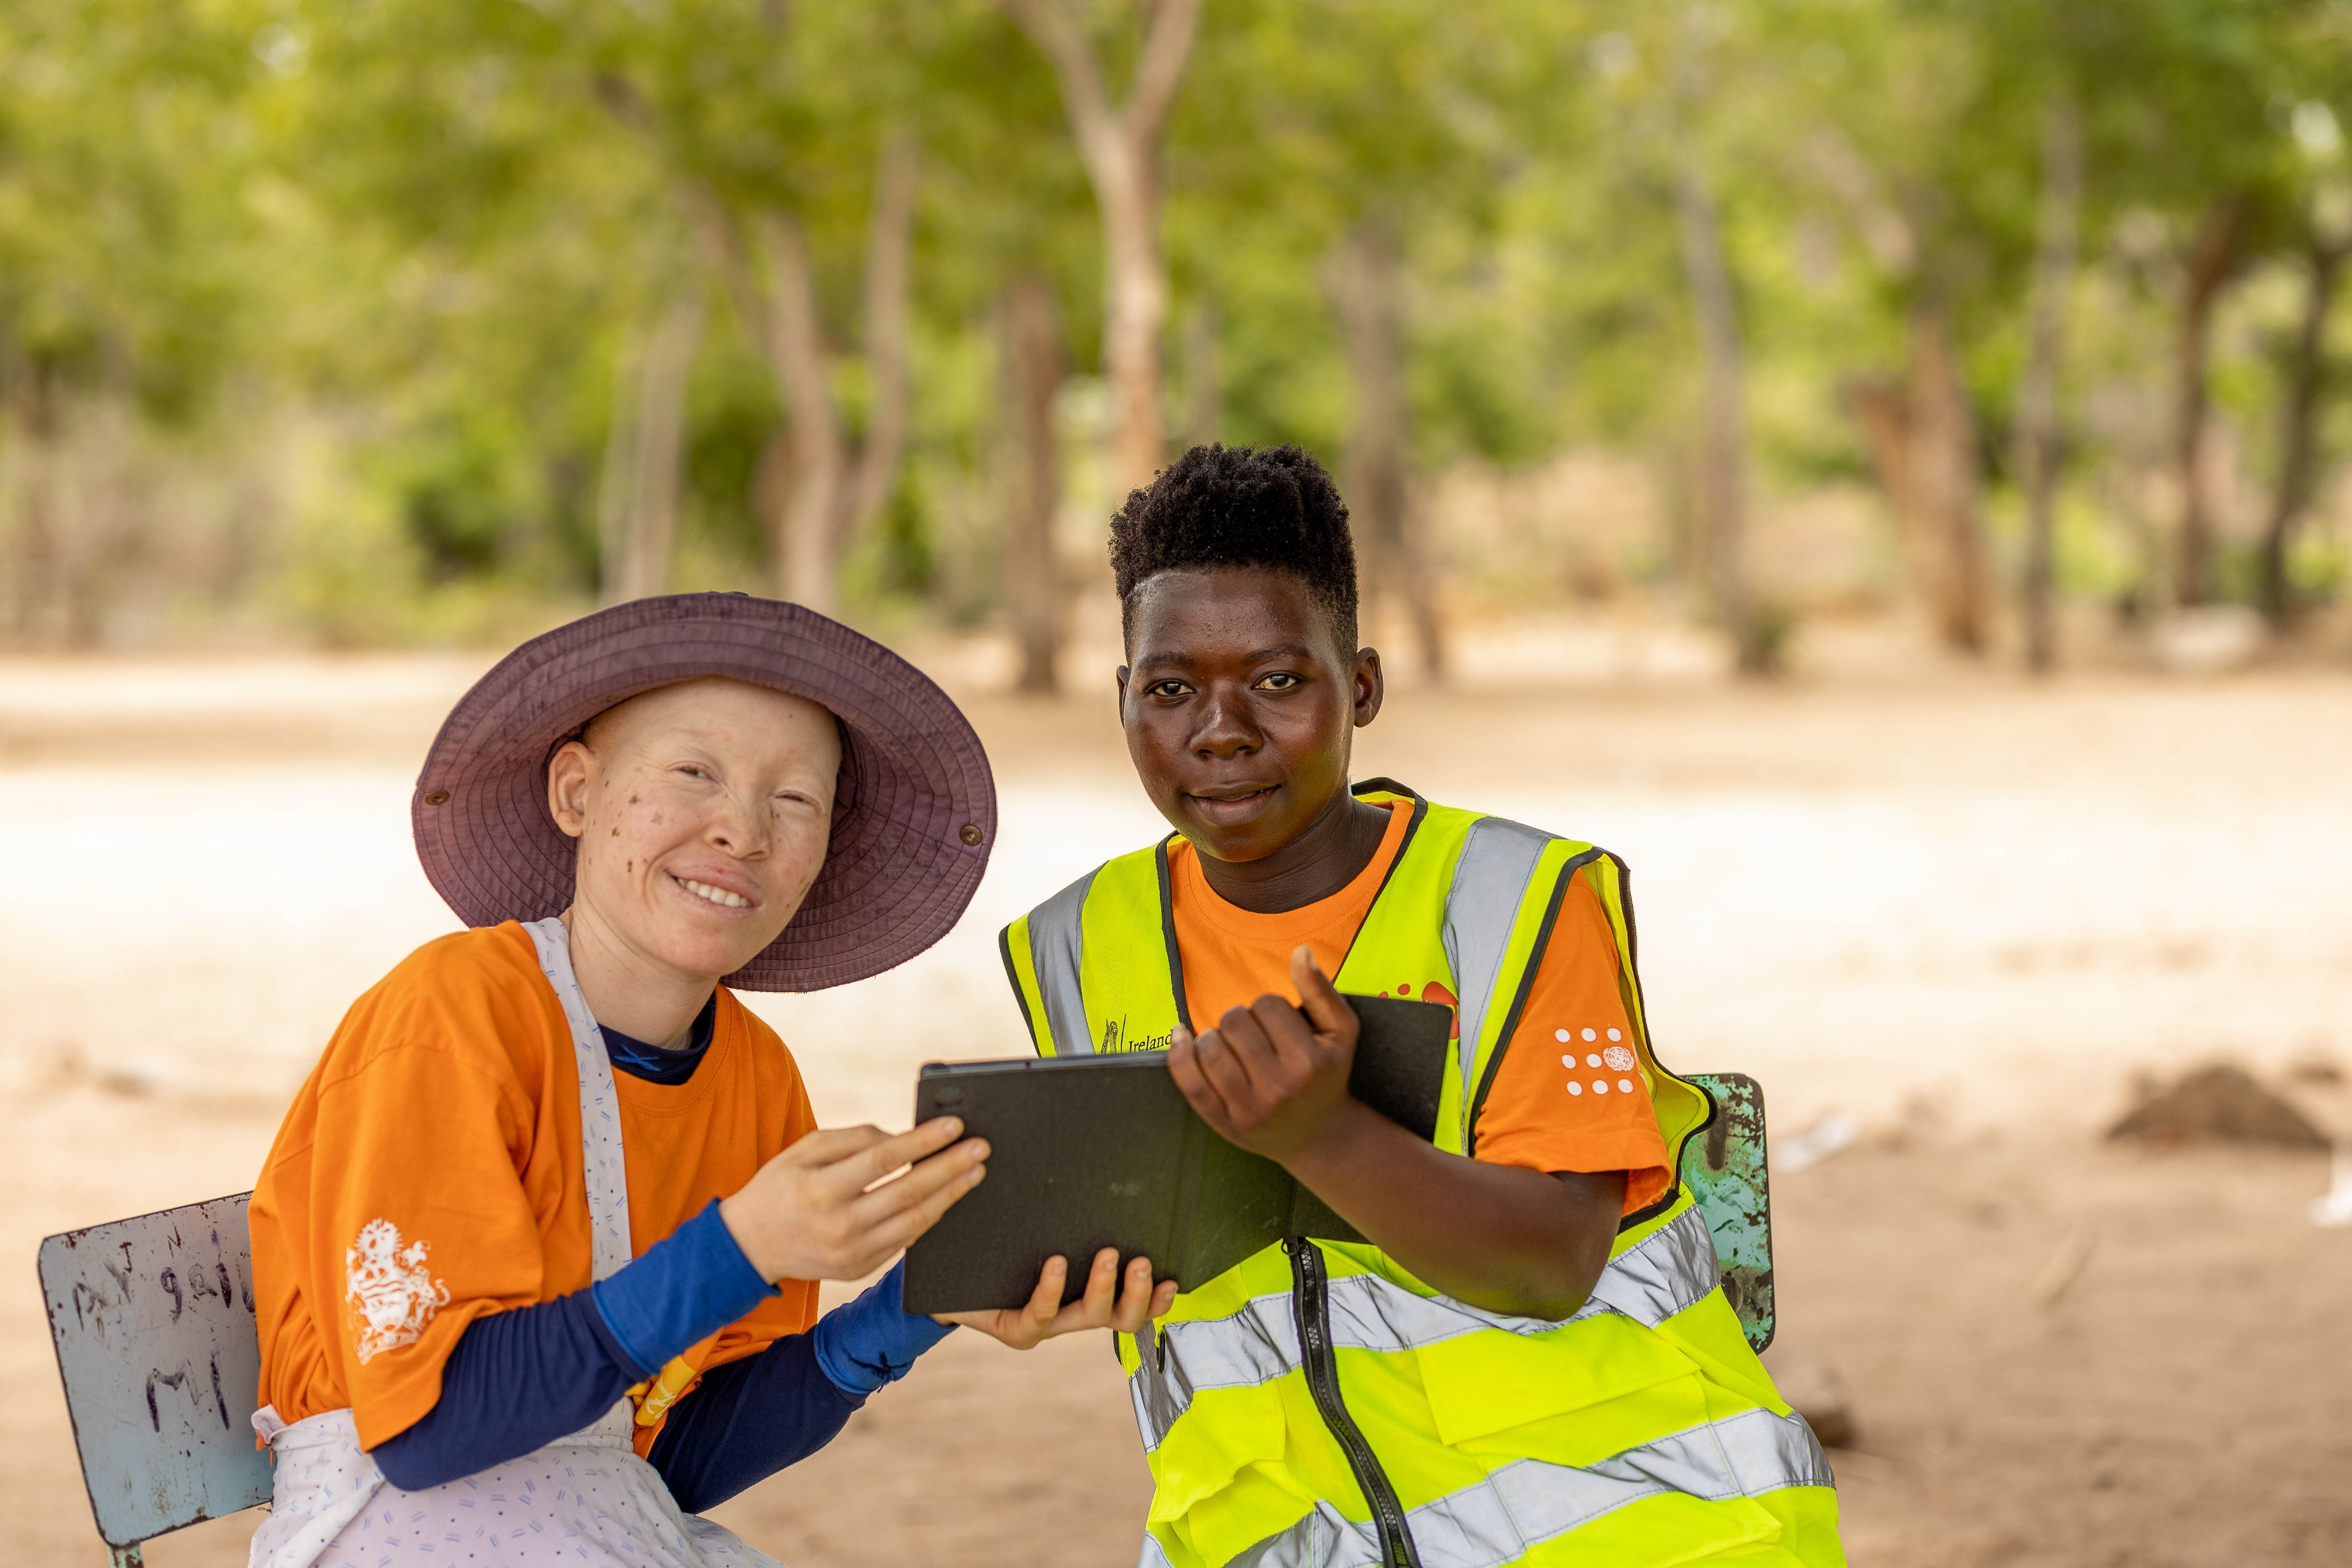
x: 520, y: 1379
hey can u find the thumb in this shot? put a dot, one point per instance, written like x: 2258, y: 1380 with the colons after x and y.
x: 1318, y: 999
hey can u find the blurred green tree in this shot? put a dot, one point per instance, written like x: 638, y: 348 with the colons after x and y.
x: 123, y: 246
x: 490, y: 308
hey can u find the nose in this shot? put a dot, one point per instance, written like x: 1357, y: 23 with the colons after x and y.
x: 1227, y: 727
x: 736, y: 825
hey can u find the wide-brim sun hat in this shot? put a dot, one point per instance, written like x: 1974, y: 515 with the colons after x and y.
x: 915, y: 810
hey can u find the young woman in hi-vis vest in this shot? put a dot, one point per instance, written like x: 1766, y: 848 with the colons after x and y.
x: 1531, y: 1361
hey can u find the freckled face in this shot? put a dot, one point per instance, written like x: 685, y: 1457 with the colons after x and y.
x: 703, y: 810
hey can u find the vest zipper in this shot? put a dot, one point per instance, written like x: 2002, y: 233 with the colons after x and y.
x: 1310, y: 1307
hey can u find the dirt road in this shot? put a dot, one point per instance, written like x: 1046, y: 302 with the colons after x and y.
x: 1959, y: 913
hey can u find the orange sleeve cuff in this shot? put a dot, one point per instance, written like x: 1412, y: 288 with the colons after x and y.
x: 1640, y: 1155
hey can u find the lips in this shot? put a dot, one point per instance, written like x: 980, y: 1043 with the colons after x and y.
x: 1231, y: 803
x: 1245, y: 790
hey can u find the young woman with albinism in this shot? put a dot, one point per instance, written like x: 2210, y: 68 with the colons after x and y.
x: 553, y: 1203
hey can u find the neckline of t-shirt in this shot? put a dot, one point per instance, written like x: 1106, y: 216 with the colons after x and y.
x: 1329, y: 910
x: 627, y: 1051
x: 677, y: 1099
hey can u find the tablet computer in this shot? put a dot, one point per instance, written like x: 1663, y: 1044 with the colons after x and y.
x: 1090, y: 1152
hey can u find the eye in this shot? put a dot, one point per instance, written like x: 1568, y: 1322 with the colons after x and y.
x: 1279, y: 681
x: 1166, y: 689
x: 693, y: 770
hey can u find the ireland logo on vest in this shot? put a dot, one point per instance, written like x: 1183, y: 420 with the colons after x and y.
x: 1115, y: 1037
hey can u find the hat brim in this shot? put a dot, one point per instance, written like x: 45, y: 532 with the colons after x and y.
x: 911, y: 834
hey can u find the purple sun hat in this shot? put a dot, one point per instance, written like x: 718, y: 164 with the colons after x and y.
x: 915, y: 811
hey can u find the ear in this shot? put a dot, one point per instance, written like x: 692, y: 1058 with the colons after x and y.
x: 1122, y: 692
x: 1370, y: 688
x: 569, y: 773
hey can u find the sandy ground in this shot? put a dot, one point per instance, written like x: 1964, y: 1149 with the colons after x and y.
x: 1960, y: 912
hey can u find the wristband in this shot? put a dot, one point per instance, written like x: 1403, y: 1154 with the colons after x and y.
x: 874, y: 1340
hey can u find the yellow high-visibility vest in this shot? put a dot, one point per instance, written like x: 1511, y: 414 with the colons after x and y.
x: 1317, y: 1405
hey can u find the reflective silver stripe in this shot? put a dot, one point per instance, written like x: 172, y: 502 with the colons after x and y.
x: 1669, y: 1271
x: 1057, y: 940
x: 1489, y: 882
x: 1254, y: 1346
x: 1153, y: 1554
x: 1325, y: 1539
x: 1498, y: 1520
x: 1673, y: 1269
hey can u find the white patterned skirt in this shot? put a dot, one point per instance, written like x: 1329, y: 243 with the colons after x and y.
x: 587, y: 1499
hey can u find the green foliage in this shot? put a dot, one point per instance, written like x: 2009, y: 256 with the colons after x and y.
x: 910, y: 564
x: 417, y: 241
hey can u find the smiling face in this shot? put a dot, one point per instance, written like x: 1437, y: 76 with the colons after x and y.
x: 1239, y: 706
x: 703, y: 811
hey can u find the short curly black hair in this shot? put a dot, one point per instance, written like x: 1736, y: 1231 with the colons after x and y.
x: 1238, y: 506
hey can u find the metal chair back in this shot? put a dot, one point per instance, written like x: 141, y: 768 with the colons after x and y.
x: 152, y: 1320
x: 1725, y: 1168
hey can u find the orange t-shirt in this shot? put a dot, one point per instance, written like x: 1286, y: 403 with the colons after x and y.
x: 1557, y: 1102
x: 432, y: 1161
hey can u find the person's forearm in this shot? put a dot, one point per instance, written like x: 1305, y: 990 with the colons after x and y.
x: 523, y: 1377
x: 750, y: 1419
x: 747, y: 1420
x: 515, y: 1380
x: 1498, y: 1236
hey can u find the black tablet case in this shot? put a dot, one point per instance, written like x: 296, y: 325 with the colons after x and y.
x: 1091, y: 1151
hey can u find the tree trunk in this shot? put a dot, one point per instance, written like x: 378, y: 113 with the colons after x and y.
x: 1031, y: 361
x: 1721, y: 487
x: 1922, y: 445
x: 1944, y: 466
x: 889, y: 248
x: 2298, y: 421
x: 832, y: 487
x: 660, y: 465
x: 99, y: 534
x: 820, y: 456
x: 645, y: 457
x: 1918, y: 430
x: 2210, y: 262
x: 32, y: 471
x: 2058, y: 225
x: 1135, y: 307
x: 771, y: 486
x: 1120, y: 150
x: 616, y: 483
x: 1364, y: 276
x: 1205, y: 392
